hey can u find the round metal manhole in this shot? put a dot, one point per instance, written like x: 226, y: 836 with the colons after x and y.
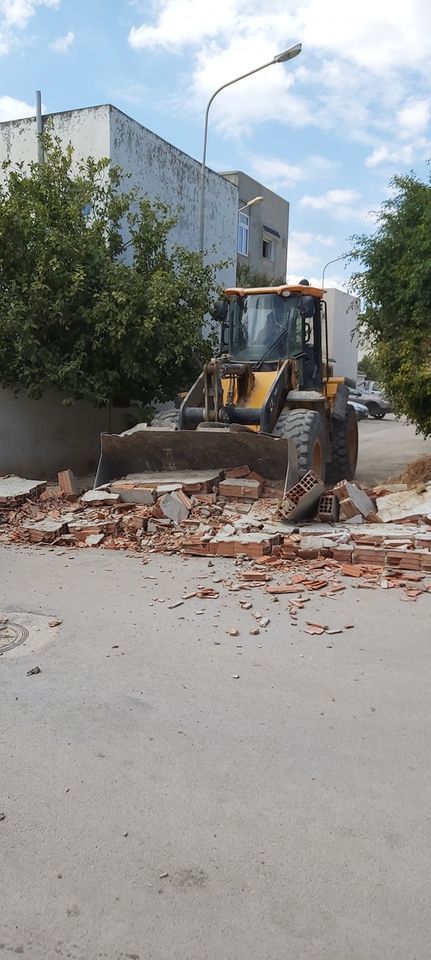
x: 11, y: 635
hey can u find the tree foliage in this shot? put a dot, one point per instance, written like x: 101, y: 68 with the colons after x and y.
x: 247, y: 276
x: 395, y: 290
x: 81, y: 310
x: 370, y: 366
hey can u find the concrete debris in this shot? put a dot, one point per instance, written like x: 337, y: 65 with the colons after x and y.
x: 203, y: 523
x: 328, y: 510
x: 68, y: 484
x: 405, y: 505
x: 101, y: 497
x: 354, y: 501
x: 300, y: 500
x: 175, y: 506
x: 130, y: 491
x: 240, y: 489
x: 15, y: 490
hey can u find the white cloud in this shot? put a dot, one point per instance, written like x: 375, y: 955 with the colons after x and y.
x: 11, y: 109
x: 341, y: 205
x: 183, y: 22
x: 62, y: 44
x: 413, y: 119
x: 278, y: 174
x: 14, y: 17
x: 378, y: 36
x: 305, y: 253
x: 352, y: 74
x: 330, y: 199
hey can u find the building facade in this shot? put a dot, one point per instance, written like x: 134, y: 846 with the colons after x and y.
x: 160, y: 170
x: 342, y: 312
x: 262, y: 228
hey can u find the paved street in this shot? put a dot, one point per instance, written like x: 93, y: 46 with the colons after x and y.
x: 157, y: 808
x: 385, y: 446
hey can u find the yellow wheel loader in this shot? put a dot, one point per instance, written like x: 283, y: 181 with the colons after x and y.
x: 268, y: 400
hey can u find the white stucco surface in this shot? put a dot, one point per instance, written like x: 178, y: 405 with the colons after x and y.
x: 342, y: 318
x: 40, y: 437
x: 160, y: 170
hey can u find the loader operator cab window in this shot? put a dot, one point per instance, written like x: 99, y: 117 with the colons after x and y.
x: 267, y: 325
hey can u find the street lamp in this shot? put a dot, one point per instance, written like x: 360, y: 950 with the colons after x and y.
x: 328, y: 264
x: 280, y: 58
x: 250, y: 203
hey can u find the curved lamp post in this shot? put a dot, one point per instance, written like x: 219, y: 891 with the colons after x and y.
x: 280, y: 58
x: 328, y: 264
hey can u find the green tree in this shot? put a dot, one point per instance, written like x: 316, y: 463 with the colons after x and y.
x: 247, y: 276
x: 370, y: 367
x: 73, y: 314
x: 395, y: 290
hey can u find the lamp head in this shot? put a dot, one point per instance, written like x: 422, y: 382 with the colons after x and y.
x: 288, y: 54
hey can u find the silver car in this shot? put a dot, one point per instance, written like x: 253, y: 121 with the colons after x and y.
x: 375, y: 403
x: 360, y: 409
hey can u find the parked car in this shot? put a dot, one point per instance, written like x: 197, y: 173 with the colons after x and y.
x: 375, y: 402
x: 360, y: 409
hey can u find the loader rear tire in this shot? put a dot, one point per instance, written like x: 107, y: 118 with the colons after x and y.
x: 344, y: 448
x: 165, y: 420
x: 308, y: 430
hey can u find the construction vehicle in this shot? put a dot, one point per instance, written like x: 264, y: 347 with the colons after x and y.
x: 269, y: 399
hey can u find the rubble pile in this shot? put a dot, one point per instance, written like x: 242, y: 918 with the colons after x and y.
x: 379, y: 537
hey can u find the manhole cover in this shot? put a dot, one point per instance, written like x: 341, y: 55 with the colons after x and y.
x: 11, y: 635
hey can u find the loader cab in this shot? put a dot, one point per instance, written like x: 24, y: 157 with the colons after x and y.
x: 266, y: 326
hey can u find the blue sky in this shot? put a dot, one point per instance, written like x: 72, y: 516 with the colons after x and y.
x: 327, y: 131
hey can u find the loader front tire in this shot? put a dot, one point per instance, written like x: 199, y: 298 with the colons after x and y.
x: 308, y: 430
x: 344, y: 451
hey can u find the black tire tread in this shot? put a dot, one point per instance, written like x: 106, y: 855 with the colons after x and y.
x: 303, y: 427
x: 339, y: 468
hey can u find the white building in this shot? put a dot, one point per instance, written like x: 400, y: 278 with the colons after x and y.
x: 160, y: 170
x: 343, y: 344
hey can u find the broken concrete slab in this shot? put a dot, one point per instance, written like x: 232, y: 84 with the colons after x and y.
x: 131, y: 491
x: 101, y: 497
x: 405, y: 504
x: 175, y: 506
x: 44, y: 531
x: 191, y: 481
x: 14, y: 490
x: 353, y: 500
x: 252, y: 545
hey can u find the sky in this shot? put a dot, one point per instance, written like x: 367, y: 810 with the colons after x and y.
x: 327, y: 130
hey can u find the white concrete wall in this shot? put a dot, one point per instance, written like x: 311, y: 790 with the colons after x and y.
x: 342, y: 318
x: 160, y: 170
x: 40, y: 437
x: 165, y: 173
x: 87, y: 130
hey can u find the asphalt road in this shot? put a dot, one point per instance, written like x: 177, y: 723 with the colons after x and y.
x: 175, y: 793
x: 385, y: 446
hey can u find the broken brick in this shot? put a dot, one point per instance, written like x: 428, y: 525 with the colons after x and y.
x: 68, y: 483
x: 236, y: 473
x: 240, y: 489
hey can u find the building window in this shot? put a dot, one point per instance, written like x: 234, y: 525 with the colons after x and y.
x: 243, y: 231
x: 268, y: 249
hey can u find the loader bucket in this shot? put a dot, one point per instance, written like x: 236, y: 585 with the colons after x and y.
x: 166, y: 451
